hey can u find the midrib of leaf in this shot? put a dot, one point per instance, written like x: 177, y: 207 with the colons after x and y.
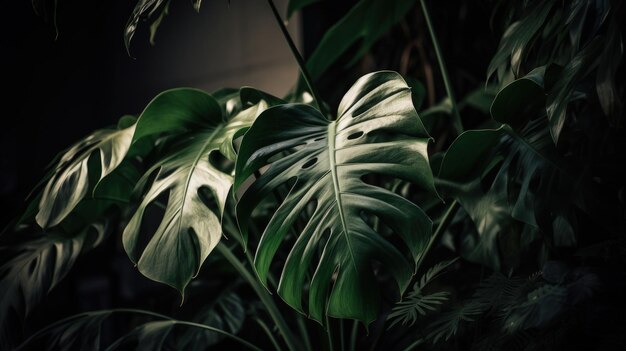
x: 192, y: 169
x: 332, y: 128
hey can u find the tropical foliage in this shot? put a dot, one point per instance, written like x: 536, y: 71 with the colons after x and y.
x: 513, y: 195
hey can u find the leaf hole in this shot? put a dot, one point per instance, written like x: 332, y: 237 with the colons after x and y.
x: 209, y: 199
x: 309, y: 163
x: 217, y: 160
x: 355, y: 135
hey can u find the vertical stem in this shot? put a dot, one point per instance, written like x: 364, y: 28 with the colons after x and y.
x: 456, y: 117
x: 329, y: 335
x: 441, y: 228
x: 415, y: 344
x: 269, y: 333
x: 353, y: 335
x: 305, y: 334
x: 342, y: 339
x: 266, y: 299
x: 296, y: 54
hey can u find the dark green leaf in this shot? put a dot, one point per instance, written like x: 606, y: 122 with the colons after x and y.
x: 561, y: 93
x: 521, y: 100
x: 178, y: 110
x: 34, y: 269
x: 418, y: 92
x: 540, y: 307
x: 226, y: 312
x: 516, y: 40
x: 362, y: 26
x: 504, y: 180
x: 377, y: 132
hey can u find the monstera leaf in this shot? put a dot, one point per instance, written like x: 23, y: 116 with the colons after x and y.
x: 35, y: 267
x: 195, y: 189
x: 69, y: 182
x: 377, y: 132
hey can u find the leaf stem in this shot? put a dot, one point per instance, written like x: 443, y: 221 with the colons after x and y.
x: 304, y: 332
x: 263, y: 294
x: 301, y: 64
x: 415, y: 344
x: 269, y: 333
x: 329, y: 334
x: 353, y: 335
x: 441, y: 228
x: 341, y: 335
x: 456, y: 117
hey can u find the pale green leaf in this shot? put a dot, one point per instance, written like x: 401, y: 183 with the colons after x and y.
x: 69, y: 182
x: 195, y: 189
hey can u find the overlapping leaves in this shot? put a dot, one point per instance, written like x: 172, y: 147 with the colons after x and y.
x: 548, y: 33
x: 360, y: 28
x: 69, y: 183
x: 377, y: 132
x: 192, y: 187
x: 419, y: 303
x: 35, y: 267
x: 510, y: 185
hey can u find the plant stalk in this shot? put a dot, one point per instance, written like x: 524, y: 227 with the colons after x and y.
x: 441, y: 228
x: 269, y: 333
x: 456, y: 117
x: 301, y: 64
x: 304, y: 332
x: 353, y: 335
x: 263, y: 294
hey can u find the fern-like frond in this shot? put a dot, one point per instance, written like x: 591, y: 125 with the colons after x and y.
x: 417, y: 303
x: 450, y: 323
x: 434, y: 272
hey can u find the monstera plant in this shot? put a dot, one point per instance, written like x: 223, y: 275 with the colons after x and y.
x: 313, y: 219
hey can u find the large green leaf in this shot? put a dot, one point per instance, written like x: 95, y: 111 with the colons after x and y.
x: 34, y: 268
x: 377, y: 132
x: 195, y: 188
x: 361, y: 27
x: 69, y: 183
